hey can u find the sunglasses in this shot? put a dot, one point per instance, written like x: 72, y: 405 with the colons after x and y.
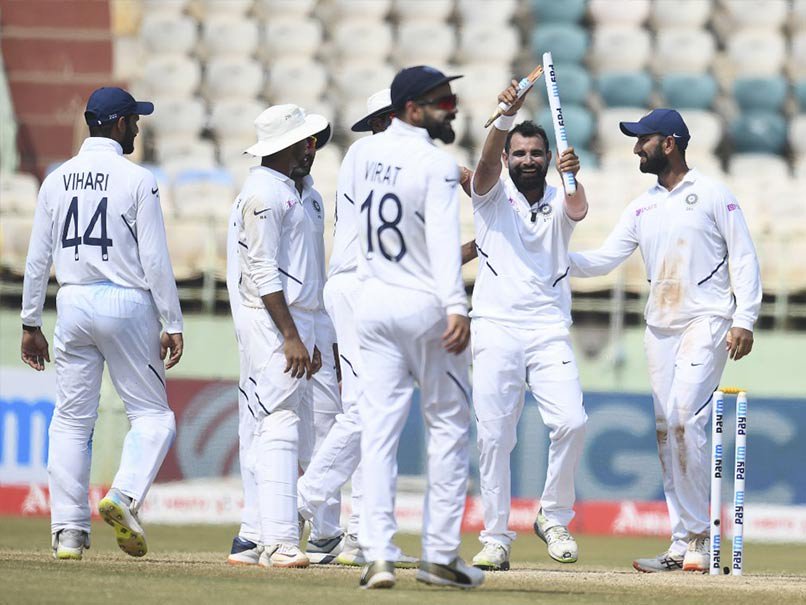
x: 446, y: 103
x: 311, y: 140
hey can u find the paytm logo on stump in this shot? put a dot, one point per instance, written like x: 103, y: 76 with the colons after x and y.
x: 27, y: 401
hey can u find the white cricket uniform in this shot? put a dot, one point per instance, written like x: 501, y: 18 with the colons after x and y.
x: 274, y: 257
x: 521, y: 315
x: 338, y: 458
x: 704, y: 278
x: 98, y: 220
x: 326, y: 401
x: 405, y: 204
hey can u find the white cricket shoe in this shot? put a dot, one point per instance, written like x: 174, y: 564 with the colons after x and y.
x: 243, y: 552
x: 561, y: 544
x: 493, y: 557
x: 324, y: 551
x: 698, y: 555
x: 666, y: 561
x: 456, y: 573
x: 352, y: 555
x: 378, y: 574
x: 283, y: 555
x: 70, y: 544
x: 118, y: 510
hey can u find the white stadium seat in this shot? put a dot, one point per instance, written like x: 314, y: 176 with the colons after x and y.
x: 619, y: 48
x: 225, y: 36
x: 272, y: 9
x: 18, y: 193
x: 797, y: 134
x: 798, y: 15
x: 424, y: 43
x: 203, y: 192
x: 165, y: 33
x: 172, y: 147
x: 188, y: 247
x: 797, y: 56
x: 706, y: 129
x: 763, y: 167
x: 174, y: 7
x: 607, y: 12
x: 417, y: 10
x: 216, y: 8
x: 233, y: 78
x: 683, y: 50
x: 359, y: 80
x: 235, y: 117
x: 171, y: 75
x: 688, y: 14
x: 372, y: 10
x: 480, y: 85
x: 294, y: 81
x: 15, y: 234
x: 491, y: 12
x: 767, y: 14
x: 607, y: 129
x: 292, y: 36
x: 481, y: 42
x: 756, y: 52
x: 176, y: 116
x: 362, y: 40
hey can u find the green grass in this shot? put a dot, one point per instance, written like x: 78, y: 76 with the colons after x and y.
x: 187, y: 565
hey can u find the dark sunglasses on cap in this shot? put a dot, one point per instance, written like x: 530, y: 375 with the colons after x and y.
x: 446, y: 103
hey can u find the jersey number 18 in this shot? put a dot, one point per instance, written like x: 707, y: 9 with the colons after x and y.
x: 386, y: 225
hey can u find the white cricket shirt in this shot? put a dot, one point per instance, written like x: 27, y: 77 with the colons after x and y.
x: 522, y: 279
x: 274, y: 243
x: 697, y: 250
x: 404, y: 202
x: 98, y: 219
x: 344, y: 255
x: 315, y: 215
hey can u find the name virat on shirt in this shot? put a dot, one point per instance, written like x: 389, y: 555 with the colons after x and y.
x: 377, y: 172
x: 85, y: 180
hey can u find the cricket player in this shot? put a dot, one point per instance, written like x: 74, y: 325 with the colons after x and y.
x: 521, y: 316
x: 705, y: 296
x: 412, y: 324
x: 98, y: 220
x: 279, y: 295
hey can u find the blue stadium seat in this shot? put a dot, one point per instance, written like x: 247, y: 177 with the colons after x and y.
x: 579, y: 124
x: 799, y: 88
x: 759, y: 131
x: 551, y: 11
x: 622, y: 89
x: 688, y: 91
x: 760, y: 93
x: 574, y: 81
x: 567, y: 42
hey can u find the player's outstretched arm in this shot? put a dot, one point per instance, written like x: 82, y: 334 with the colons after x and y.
x: 488, y: 169
x: 469, y: 251
x: 618, y: 246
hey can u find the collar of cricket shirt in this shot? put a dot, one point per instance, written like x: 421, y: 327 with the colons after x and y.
x: 401, y: 127
x: 101, y: 144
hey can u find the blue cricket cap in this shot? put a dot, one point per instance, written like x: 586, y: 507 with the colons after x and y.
x: 667, y: 122
x: 110, y: 103
x: 413, y: 82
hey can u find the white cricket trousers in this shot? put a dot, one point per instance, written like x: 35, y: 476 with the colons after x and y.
x: 400, y: 335
x: 120, y: 326
x: 685, y: 367
x: 339, y: 454
x: 505, y: 359
x: 273, y: 456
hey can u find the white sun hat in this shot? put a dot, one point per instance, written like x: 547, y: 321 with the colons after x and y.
x: 281, y: 126
x: 378, y: 104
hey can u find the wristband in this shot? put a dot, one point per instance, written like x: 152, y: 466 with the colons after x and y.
x: 29, y: 328
x: 504, y: 123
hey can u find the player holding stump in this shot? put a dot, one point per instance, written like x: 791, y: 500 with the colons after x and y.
x: 705, y: 295
x: 98, y: 220
x: 521, y: 315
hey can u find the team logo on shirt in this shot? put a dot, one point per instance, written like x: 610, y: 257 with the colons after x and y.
x: 545, y: 209
x: 316, y: 206
x: 691, y: 199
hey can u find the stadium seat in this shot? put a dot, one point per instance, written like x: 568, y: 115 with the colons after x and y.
x: 481, y: 42
x: 681, y: 50
x: 619, y: 48
x: 232, y: 78
x: 372, y: 10
x: 322, y: 107
x: 176, y: 116
x: 579, y: 124
x: 168, y: 34
x: 294, y: 81
x: 574, y: 82
x: 797, y: 56
x: 480, y: 85
x: 417, y: 10
x: 176, y: 7
x: 203, y: 193
x: 761, y: 14
x: 189, y: 246
x: 171, y: 75
x: 228, y: 36
x: 294, y: 37
x: 706, y: 162
x: 18, y: 193
x: 239, y: 165
x: 424, y: 43
x: 688, y: 15
x: 498, y: 13
x: 551, y: 11
x: 799, y: 167
x: 170, y: 148
x: 624, y: 89
x: 128, y: 57
x: 688, y: 91
x: 706, y: 129
x: 756, y: 52
x: 763, y: 167
x: 797, y: 134
x: 235, y: 118
x: 797, y: 17
x: 608, y: 134
x: 362, y: 40
x: 211, y: 9
x: 15, y: 235
x: 607, y: 12
x: 567, y: 42
x: 181, y: 164
x: 759, y: 132
x: 274, y: 9
x: 767, y: 93
x: 359, y: 80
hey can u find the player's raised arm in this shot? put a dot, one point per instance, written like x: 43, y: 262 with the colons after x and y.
x: 488, y: 169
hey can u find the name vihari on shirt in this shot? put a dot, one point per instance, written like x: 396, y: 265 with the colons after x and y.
x: 377, y: 172
x: 85, y: 180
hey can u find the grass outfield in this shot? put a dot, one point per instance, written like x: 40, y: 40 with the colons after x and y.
x: 186, y: 565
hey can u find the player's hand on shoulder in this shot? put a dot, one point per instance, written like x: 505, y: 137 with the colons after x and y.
x: 298, y: 362
x: 34, y: 349
x: 174, y: 343
x: 457, y: 334
x: 568, y: 161
x: 510, y: 97
x: 739, y: 343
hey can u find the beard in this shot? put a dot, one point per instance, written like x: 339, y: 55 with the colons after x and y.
x: 440, y: 129
x: 128, y: 139
x: 656, y: 163
x: 528, y: 181
x: 302, y: 169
